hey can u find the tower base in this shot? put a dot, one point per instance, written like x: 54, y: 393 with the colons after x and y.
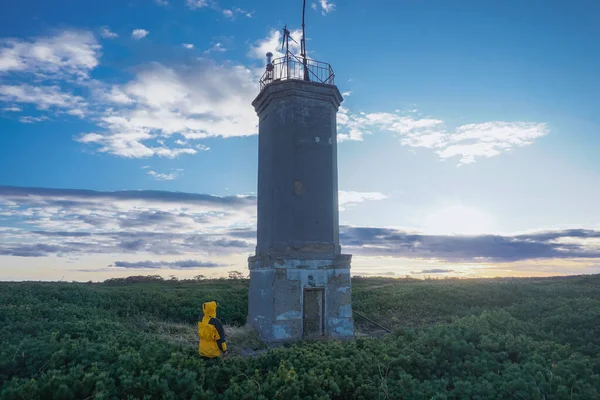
x: 293, y: 299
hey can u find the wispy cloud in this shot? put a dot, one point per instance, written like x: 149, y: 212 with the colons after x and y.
x: 71, y: 222
x: 582, y: 243
x: 232, y: 13
x: 272, y: 43
x: 163, y: 177
x: 138, y: 34
x: 195, y: 103
x: 434, y: 271
x: 347, y: 199
x: 467, y: 142
x: 32, y: 120
x: 182, y: 264
x: 137, y: 118
x: 107, y: 33
x: 40, y: 196
x: 356, y: 126
x: 217, y: 47
x: 47, y: 71
x: 325, y: 6
x: 69, y: 52
x: 43, y: 97
x: 162, y: 2
x: 188, y: 46
x: 487, y: 140
x: 195, y: 4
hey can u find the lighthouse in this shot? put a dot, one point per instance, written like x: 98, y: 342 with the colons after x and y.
x: 300, y: 284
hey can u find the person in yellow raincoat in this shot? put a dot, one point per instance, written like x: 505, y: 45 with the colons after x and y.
x: 212, y: 335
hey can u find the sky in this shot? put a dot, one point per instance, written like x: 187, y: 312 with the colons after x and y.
x: 467, y: 138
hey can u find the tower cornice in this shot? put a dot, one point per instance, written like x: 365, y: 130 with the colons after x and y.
x: 298, y: 88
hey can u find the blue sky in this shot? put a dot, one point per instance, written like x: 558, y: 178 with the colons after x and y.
x: 469, y: 124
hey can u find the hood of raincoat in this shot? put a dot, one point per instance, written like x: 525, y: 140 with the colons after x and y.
x: 210, y: 309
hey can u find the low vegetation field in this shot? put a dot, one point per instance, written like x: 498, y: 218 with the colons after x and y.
x: 452, y: 339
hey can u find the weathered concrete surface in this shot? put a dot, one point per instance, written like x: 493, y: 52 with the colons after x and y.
x: 276, y: 296
x: 297, y: 168
x: 298, y: 226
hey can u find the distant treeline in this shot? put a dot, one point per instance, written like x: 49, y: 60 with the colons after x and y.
x: 158, y: 278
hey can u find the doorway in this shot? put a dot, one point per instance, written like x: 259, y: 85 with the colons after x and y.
x: 313, y: 318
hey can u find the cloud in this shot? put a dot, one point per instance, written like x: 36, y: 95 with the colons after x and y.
x: 148, y: 115
x: 12, y: 109
x: 59, y: 225
x: 231, y: 13
x: 76, y: 222
x: 195, y: 4
x: 111, y: 94
x: 378, y: 273
x: 325, y: 6
x: 356, y: 126
x: 69, y: 52
x: 163, y: 177
x: 272, y: 43
x: 434, y: 271
x: 64, y: 222
x: 467, y: 142
x: 74, y: 196
x: 43, y: 97
x: 489, y: 139
x: 56, y: 71
x: 32, y: 120
x: 207, y: 100
x: 348, y: 199
x: 247, y: 14
x: 107, y: 34
x: 188, y: 46
x: 183, y: 264
x: 473, y: 248
x: 217, y: 47
x: 35, y: 250
x: 138, y: 34
x: 162, y: 2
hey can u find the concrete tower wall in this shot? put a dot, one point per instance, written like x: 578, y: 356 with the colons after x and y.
x: 297, y: 183
x: 298, y: 255
x: 276, y: 294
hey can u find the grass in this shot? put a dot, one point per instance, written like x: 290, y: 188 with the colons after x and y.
x: 241, y: 340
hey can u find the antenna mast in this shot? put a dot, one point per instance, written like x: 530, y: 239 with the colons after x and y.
x: 303, y: 44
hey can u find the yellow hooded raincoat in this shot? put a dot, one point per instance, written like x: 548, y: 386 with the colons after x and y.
x: 211, y: 333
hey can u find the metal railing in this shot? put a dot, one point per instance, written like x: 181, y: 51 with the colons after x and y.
x: 292, y: 67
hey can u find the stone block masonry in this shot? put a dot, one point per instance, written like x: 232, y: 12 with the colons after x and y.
x: 278, y: 289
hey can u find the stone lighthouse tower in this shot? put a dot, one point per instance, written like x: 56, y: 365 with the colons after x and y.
x: 299, y: 279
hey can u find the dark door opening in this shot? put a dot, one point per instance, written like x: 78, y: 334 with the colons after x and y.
x: 313, y: 318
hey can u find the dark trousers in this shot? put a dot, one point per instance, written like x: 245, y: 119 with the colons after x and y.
x: 211, y: 361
